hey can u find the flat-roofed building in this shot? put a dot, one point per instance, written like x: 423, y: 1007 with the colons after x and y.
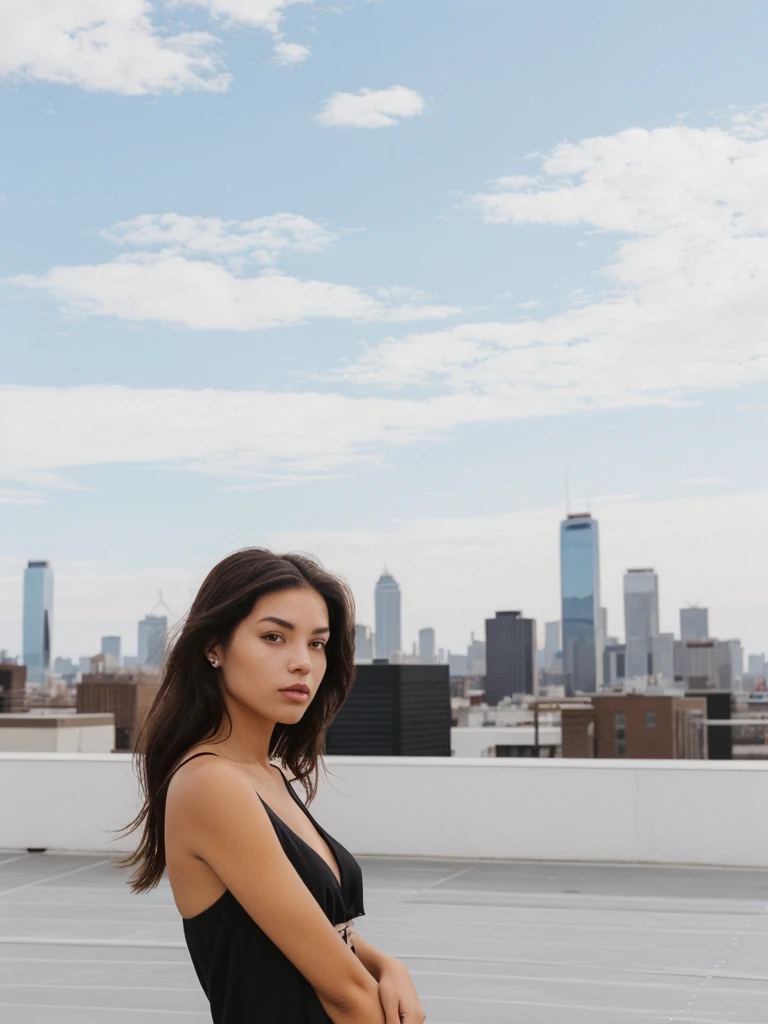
x: 395, y: 709
x: 636, y: 726
x: 127, y: 697
x: 13, y: 685
x: 57, y: 734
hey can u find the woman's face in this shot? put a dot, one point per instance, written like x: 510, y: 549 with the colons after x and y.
x: 280, y: 645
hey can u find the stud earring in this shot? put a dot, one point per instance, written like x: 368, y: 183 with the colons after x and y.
x: 214, y: 662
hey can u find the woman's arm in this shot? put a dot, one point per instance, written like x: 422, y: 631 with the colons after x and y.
x: 219, y: 818
x: 371, y: 958
x: 397, y: 993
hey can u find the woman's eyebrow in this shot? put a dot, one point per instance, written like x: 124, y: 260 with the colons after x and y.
x: 290, y: 625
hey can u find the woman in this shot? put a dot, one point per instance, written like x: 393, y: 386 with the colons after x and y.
x: 263, y: 663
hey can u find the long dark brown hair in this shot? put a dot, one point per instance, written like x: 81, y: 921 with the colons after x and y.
x: 189, y: 707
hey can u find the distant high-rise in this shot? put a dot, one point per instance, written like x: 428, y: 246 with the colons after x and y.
x: 663, y: 657
x: 756, y: 665
x: 510, y: 648
x: 38, y: 620
x: 110, y: 646
x: 551, y: 645
x: 580, y: 589
x: 387, y: 609
x: 694, y: 624
x: 427, y: 646
x: 476, y: 657
x: 641, y: 619
x: 152, y: 634
x: 363, y: 643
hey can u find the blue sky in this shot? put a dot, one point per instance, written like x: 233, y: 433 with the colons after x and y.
x: 240, y: 309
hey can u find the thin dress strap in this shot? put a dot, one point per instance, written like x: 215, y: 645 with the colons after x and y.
x: 200, y: 753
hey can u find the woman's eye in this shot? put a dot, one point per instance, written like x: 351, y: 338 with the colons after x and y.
x: 320, y: 642
x: 273, y: 636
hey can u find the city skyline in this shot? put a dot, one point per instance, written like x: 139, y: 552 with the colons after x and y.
x: 323, y: 293
x: 668, y: 624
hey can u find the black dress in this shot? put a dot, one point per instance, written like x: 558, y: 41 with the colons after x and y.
x: 246, y: 978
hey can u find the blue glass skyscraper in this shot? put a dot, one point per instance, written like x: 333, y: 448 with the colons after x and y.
x: 387, y: 608
x: 38, y: 620
x: 580, y: 581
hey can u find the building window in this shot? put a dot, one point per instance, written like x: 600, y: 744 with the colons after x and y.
x: 620, y: 726
x: 650, y: 719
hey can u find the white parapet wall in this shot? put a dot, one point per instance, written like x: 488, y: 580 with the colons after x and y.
x: 666, y: 812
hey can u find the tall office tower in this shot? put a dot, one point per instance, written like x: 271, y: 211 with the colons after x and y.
x: 387, y: 605
x: 476, y: 657
x: 756, y: 665
x: 614, y: 660
x: 395, y: 711
x: 551, y: 645
x: 427, y: 646
x: 38, y: 620
x: 110, y: 646
x: 152, y: 634
x: 363, y: 643
x: 663, y: 657
x: 641, y: 619
x: 580, y: 589
x: 510, y: 650
x: 694, y: 624
x: 736, y: 659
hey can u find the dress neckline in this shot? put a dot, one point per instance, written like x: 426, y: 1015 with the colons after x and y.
x: 318, y: 828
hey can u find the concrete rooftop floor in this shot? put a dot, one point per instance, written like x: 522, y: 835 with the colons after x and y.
x: 487, y: 942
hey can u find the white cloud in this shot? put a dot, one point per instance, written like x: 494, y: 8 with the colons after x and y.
x: 288, y: 55
x: 198, y: 279
x: 266, y: 14
x: 125, y: 46
x: 685, y: 305
x: 202, y: 295
x: 114, y: 47
x: 370, y: 108
x: 262, y: 239
x: 703, y: 481
x: 48, y: 429
x: 17, y: 496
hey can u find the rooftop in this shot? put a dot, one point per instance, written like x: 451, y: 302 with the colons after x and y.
x: 486, y: 942
x: 491, y: 894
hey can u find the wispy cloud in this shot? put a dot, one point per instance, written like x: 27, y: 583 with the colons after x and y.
x: 105, y: 47
x: 215, y: 431
x: 129, y: 47
x: 196, y: 272
x: 704, y: 481
x: 16, y: 496
x: 370, y: 108
x: 262, y: 239
x: 683, y: 303
x: 288, y: 55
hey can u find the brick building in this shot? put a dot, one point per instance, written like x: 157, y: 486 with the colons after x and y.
x: 13, y: 687
x: 127, y: 697
x: 636, y: 726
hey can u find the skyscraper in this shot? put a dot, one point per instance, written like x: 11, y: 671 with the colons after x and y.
x: 387, y: 610
x: 580, y: 588
x: 551, y: 644
x: 694, y: 623
x: 152, y: 634
x: 363, y: 643
x: 110, y: 646
x: 38, y: 620
x: 427, y: 646
x: 641, y: 619
x: 510, y: 649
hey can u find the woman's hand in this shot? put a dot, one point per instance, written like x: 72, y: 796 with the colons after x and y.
x: 397, y: 994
